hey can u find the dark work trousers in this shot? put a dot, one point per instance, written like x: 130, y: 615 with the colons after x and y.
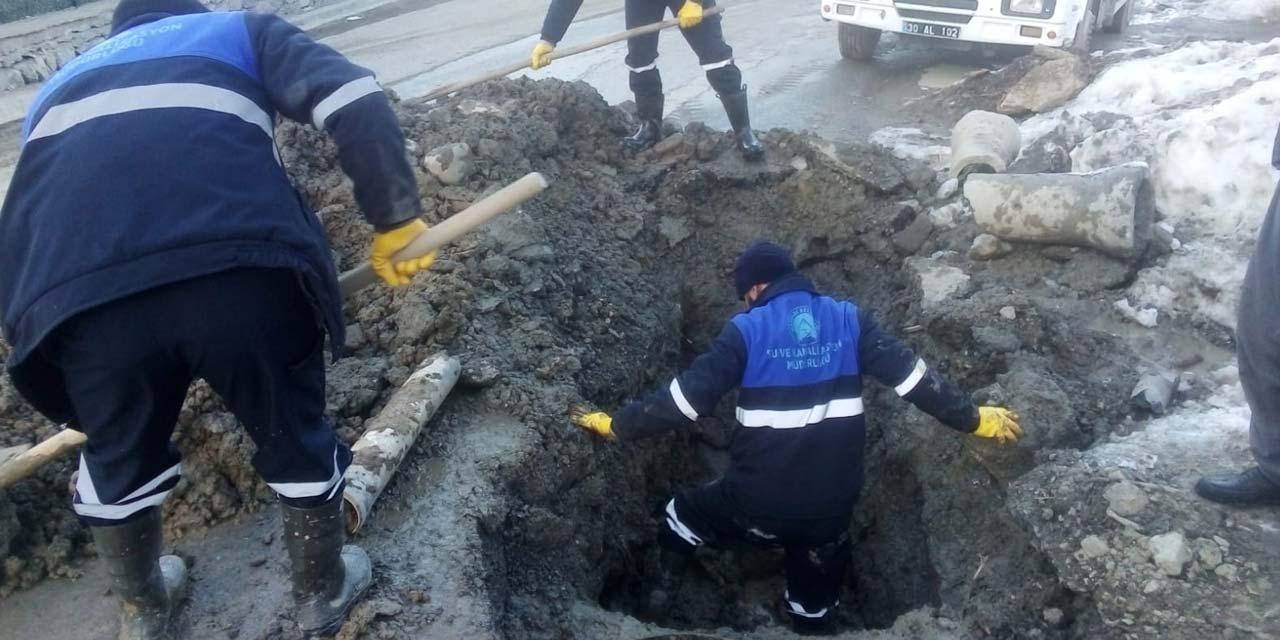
x: 817, y: 552
x: 706, y: 39
x: 1258, y: 342
x: 253, y: 334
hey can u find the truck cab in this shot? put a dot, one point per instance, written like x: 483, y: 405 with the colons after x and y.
x: 1050, y: 23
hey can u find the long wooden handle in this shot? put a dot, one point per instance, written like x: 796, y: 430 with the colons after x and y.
x: 452, y: 228
x: 30, y: 461
x: 562, y: 53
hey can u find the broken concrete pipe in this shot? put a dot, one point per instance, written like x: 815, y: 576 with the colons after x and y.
x: 389, y: 436
x: 1109, y: 210
x: 984, y: 142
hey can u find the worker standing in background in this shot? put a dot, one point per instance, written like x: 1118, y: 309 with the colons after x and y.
x: 1258, y: 353
x: 703, y: 35
x: 796, y: 458
x: 151, y: 237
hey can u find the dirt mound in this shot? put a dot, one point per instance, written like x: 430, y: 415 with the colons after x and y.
x: 506, y: 521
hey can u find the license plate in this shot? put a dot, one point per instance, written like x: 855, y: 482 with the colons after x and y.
x: 930, y: 29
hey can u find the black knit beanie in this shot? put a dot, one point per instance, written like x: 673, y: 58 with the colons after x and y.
x: 762, y: 262
x: 128, y: 11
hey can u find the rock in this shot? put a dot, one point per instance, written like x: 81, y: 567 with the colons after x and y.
x: 1094, y: 547
x: 946, y: 216
x: 479, y: 375
x: 1148, y: 318
x: 418, y: 596
x: 1126, y: 498
x: 1208, y: 553
x: 669, y: 144
x: 799, y: 163
x: 1226, y: 572
x: 355, y: 337
x: 1046, y: 87
x: 1051, y: 53
x: 1154, y: 392
x: 675, y: 230
x: 1008, y: 313
x: 1170, y: 552
x: 938, y: 282
x: 414, y: 320
x: 997, y: 339
x: 11, y: 79
x: 989, y: 247
x: 450, y: 163
x: 948, y: 189
x: 912, y: 238
x: 1053, y: 616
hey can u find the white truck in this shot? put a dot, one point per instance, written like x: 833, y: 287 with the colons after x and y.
x: 1052, y: 23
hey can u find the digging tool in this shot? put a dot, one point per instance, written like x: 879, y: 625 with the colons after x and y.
x: 452, y: 228
x: 562, y: 53
x: 16, y: 467
x: 31, y: 460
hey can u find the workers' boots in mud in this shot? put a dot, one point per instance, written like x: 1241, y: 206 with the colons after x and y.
x: 662, y: 596
x: 149, y: 585
x: 649, y: 112
x: 328, y: 577
x: 735, y: 106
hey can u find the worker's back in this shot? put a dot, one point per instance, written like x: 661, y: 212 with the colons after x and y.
x: 798, y: 452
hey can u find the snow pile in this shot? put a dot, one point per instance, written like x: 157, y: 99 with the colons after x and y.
x: 913, y: 144
x: 1204, y: 117
x: 1154, y: 11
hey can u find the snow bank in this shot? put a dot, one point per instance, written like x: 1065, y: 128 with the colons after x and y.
x: 1204, y: 116
x: 1155, y: 11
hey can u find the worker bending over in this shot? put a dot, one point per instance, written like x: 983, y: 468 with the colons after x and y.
x: 796, y: 470
x: 703, y: 35
x: 151, y: 237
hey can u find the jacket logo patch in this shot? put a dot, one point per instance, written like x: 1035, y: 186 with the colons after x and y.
x: 803, y: 326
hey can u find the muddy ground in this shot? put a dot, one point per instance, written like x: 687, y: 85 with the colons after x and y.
x: 506, y: 521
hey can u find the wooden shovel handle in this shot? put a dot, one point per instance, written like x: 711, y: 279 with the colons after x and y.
x: 457, y: 225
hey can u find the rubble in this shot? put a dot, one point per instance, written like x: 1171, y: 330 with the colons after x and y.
x: 1047, y: 86
x: 989, y: 247
x: 1170, y: 552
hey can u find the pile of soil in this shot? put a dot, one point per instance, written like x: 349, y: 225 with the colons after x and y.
x: 506, y: 521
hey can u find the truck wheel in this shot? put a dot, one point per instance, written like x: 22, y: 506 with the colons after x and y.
x: 857, y: 43
x: 1120, y: 21
x: 1083, y: 42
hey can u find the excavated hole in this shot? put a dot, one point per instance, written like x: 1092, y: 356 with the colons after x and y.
x: 892, y: 571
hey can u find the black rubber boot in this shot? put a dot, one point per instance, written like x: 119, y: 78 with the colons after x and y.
x: 1249, y: 488
x: 328, y: 578
x: 662, y: 596
x: 649, y: 112
x: 149, y: 585
x: 735, y: 106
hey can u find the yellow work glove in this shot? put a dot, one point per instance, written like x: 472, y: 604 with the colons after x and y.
x: 541, y: 54
x: 596, y: 422
x: 387, y: 243
x: 690, y: 14
x: 998, y: 423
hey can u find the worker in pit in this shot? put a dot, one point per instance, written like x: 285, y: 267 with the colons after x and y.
x: 702, y: 34
x: 1258, y: 353
x: 150, y: 237
x: 797, y: 359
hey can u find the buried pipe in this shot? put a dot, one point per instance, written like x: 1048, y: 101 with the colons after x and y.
x: 984, y: 142
x: 1109, y: 210
x: 388, y: 436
